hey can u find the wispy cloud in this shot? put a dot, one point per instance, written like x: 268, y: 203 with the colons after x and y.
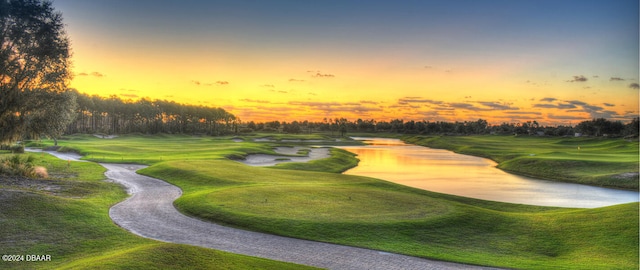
x: 256, y: 101
x: 296, y: 80
x: 555, y: 106
x: 407, y: 100
x: 634, y: 86
x: 548, y: 99
x: 199, y: 83
x: 616, y: 79
x: 318, y: 74
x: 498, y: 106
x: 92, y: 74
x: 579, y: 78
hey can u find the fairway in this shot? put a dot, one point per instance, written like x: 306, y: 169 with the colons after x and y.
x: 376, y: 214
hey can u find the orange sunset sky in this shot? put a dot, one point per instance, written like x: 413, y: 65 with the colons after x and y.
x: 557, y: 62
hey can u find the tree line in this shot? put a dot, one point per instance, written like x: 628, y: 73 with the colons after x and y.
x: 113, y: 115
x: 340, y: 126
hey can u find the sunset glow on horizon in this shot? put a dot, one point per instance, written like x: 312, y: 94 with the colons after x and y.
x: 555, y: 62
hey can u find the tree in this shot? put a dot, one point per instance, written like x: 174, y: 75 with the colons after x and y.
x: 34, y: 58
x: 57, y: 112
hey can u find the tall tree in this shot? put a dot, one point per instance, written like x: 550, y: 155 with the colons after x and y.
x: 34, y: 57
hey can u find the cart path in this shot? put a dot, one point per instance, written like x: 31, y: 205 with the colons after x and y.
x: 149, y: 212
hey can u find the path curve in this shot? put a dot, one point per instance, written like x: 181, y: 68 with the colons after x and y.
x: 149, y: 212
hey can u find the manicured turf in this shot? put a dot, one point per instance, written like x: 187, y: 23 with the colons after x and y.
x: 591, y: 161
x: 66, y: 217
x: 376, y: 214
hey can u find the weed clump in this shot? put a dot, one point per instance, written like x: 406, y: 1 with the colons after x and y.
x: 19, y: 165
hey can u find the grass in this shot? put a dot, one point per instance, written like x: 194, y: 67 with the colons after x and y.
x: 143, y: 149
x: 375, y: 214
x: 66, y: 217
x: 592, y: 161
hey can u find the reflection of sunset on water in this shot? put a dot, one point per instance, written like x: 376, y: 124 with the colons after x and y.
x: 447, y: 172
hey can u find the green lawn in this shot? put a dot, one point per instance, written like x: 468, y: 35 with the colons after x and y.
x: 591, y: 161
x: 376, y: 214
x: 67, y: 218
x: 380, y: 215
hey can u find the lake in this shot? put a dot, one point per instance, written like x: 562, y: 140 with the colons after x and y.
x: 447, y: 172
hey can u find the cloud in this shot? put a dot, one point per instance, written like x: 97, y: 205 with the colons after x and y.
x: 296, y: 80
x: 369, y: 102
x: 608, y: 104
x: 555, y: 106
x: 255, y: 100
x: 548, y: 99
x: 634, y: 86
x: 498, y: 106
x: 222, y: 82
x: 407, y: 100
x: 268, y: 85
x: 93, y: 74
x: 524, y: 113
x: 564, y: 117
x: 313, y: 103
x: 318, y: 74
x: 334, y: 107
x: 616, y: 79
x: 196, y: 82
x: 466, y: 106
x: 579, y: 78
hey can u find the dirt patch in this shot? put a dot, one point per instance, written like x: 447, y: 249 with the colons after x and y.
x: 29, y: 184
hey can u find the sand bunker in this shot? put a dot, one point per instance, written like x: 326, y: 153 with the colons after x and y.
x: 287, y: 156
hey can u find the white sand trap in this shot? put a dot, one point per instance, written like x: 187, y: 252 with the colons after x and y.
x: 105, y: 136
x: 271, y: 160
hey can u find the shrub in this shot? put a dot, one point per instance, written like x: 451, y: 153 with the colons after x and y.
x: 40, y: 172
x: 19, y: 166
x: 17, y: 149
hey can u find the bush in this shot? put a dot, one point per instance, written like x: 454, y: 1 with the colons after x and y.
x: 17, y: 149
x: 16, y: 165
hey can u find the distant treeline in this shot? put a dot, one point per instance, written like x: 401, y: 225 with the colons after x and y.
x: 113, y: 115
x: 595, y: 127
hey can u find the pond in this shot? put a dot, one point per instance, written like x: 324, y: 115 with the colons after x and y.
x: 447, y: 172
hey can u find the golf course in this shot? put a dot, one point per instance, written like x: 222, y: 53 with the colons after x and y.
x: 314, y: 201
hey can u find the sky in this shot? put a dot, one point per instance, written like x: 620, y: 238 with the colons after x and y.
x: 557, y: 62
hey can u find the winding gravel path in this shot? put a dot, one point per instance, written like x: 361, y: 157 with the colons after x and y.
x: 149, y: 212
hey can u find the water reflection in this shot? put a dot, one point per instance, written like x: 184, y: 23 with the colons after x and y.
x: 447, y: 172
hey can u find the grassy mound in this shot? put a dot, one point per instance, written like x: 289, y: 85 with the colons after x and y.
x: 380, y: 215
x: 591, y: 161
